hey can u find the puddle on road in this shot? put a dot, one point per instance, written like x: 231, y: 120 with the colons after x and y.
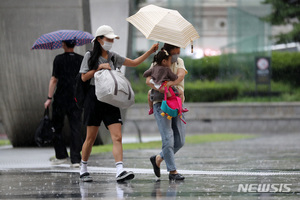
x: 49, y: 185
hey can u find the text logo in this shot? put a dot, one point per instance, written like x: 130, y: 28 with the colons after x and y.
x: 264, y: 187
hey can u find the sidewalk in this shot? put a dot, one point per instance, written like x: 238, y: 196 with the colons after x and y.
x: 267, y: 167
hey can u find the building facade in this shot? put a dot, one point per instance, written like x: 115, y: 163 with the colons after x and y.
x: 209, y: 17
x: 220, y: 24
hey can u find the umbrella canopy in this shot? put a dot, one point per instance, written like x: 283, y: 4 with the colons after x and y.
x: 53, y: 40
x: 164, y: 25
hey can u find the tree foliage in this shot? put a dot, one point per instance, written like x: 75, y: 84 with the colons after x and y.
x: 285, y: 12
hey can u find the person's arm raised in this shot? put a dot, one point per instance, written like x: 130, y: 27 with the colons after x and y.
x: 133, y: 63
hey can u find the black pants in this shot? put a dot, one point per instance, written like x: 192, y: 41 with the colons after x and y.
x: 74, y: 115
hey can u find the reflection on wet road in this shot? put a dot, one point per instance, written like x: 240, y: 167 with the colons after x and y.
x: 267, y: 167
x: 49, y: 185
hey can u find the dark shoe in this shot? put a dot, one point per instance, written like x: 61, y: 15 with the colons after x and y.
x: 155, y: 168
x: 176, y: 177
x: 125, y: 176
x: 86, y: 177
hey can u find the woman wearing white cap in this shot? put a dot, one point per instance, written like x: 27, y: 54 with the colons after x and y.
x: 96, y: 111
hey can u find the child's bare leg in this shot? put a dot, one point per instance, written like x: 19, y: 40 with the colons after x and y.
x: 150, y: 103
x: 169, y: 94
x: 181, y: 95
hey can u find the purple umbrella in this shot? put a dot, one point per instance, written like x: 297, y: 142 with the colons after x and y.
x: 53, y: 40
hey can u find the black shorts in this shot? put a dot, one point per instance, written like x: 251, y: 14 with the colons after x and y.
x: 96, y: 111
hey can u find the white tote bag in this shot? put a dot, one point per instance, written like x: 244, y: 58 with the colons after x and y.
x: 112, y: 87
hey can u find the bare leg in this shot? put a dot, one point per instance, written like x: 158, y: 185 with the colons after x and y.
x: 169, y: 94
x: 181, y: 95
x: 91, y: 135
x: 116, y: 136
x: 150, y: 103
x: 158, y: 160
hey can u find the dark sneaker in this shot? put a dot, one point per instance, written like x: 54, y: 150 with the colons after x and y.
x: 176, y: 177
x: 155, y: 167
x: 125, y: 176
x: 86, y: 177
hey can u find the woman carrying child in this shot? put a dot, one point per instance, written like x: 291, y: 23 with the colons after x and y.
x: 160, y: 72
x: 172, y: 131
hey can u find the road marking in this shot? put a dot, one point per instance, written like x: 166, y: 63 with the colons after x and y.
x: 105, y: 170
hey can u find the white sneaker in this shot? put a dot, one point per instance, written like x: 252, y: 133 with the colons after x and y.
x: 75, y: 165
x: 59, y: 161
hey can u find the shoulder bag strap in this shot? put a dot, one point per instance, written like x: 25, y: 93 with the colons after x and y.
x: 112, y: 58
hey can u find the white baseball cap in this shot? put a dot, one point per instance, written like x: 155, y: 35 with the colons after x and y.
x: 106, y: 31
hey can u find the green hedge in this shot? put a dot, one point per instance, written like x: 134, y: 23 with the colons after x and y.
x: 198, y: 91
x: 286, y: 67
x: 201, y: 83
x: 204, y: 91
x: 134, y: 73
x: 206, y: 68
x: 214, y: 91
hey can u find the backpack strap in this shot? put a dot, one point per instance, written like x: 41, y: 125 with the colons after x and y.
x: 112, y: 58
x: 171, y: 91
x: 166, y: 90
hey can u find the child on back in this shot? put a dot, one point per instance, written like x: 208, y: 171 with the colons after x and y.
x: 160, y: 73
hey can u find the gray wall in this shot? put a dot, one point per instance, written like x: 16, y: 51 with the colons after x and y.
x: 275, y: 118
x: 25, y: 73
x: 114, y: 14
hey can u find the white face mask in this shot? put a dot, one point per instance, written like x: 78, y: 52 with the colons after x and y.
x: 174, y: 58
x: 107, y: 45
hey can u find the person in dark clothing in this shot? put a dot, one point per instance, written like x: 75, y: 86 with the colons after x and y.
x: 65, y: 68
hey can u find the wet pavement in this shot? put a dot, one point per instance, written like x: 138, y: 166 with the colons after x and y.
x: 266, y: 167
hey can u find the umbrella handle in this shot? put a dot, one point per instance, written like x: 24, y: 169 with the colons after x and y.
x: 192, y: 47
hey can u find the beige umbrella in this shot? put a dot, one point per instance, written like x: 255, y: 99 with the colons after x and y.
x: 164, y: 25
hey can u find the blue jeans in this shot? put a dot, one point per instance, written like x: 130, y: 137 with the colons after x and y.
x: 172, y: 134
